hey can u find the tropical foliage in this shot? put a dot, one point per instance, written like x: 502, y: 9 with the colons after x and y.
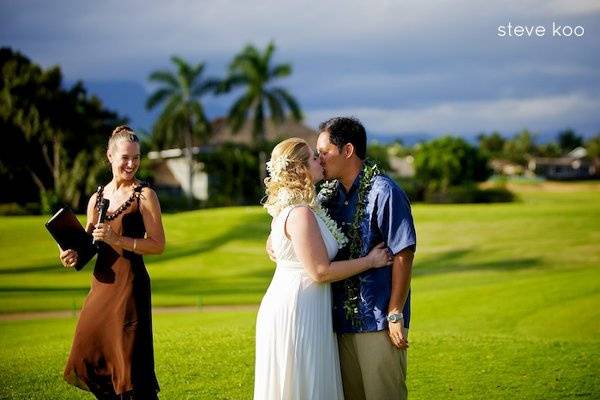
x: 253, y: 71
x: 449, y: 161
x: 182, y: 119
x: 53, y: 137
x: 234, y: 174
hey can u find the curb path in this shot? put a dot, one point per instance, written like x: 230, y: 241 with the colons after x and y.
x: 33, y: 315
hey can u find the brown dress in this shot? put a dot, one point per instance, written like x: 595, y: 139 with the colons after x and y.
x: 112, y: 354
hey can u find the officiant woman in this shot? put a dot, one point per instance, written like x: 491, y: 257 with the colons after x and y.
x: 112, y: 354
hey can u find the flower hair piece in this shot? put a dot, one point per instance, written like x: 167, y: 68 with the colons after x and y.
x: 275, y: 167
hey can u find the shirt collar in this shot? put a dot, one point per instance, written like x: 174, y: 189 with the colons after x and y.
x: 354, y: 187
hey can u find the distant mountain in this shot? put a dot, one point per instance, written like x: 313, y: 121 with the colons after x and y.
x: 407, y: 139
x: 410, y: 139
x: 128, y: 98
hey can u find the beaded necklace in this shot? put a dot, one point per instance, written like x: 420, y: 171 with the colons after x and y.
x: 137, y: 191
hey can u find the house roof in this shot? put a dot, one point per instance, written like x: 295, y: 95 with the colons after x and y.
x: 578, y: 152
x: 163, y: 174
x: 564, y: 161
x: 222, y: 133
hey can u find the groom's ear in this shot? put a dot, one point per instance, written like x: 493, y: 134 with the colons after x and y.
x: 348, y: 150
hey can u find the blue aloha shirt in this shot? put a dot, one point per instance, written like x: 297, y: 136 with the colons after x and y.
x: 388, y: 219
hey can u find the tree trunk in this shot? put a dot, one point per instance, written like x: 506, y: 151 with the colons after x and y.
x: 262, y: 160
x: 36, y: 180
x: 262, y: 155
x: 190, y: 160
x: 56, y: 165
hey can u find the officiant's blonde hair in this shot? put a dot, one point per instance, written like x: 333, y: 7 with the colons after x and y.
x: 290, y: 181
x: 122, y: 133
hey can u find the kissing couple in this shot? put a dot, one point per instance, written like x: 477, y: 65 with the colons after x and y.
x: 334, y: 321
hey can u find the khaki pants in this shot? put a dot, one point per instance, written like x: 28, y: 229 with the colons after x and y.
x: 372, y: 368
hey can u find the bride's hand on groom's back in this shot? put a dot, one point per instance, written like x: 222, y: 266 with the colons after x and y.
x: 380, y: 256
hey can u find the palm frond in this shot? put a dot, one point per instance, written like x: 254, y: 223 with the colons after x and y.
x: 250, y: 51
x: 182, y: 66
x: 211, y: 85
x: 275, y: 107
x: 201, y: 125
x: 196, y: 111
x: 230, y: 82
x: 165, y: 77
x: 174, y: 105
x: 290, y: 101
x: 197, y: 70
x: 239, y: 111
x: 280, y: 71
x: 266, y: 56
x: 258, y: 122
x: 158, y: 97
x: 249, y: 67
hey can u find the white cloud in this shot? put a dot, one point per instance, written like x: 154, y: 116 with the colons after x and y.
x: 373, y: 56
x: 572, y: 8
x: 506, y: 115
x: 97, y: 40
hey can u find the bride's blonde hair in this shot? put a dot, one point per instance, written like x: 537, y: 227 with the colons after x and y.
x: 290, y: 181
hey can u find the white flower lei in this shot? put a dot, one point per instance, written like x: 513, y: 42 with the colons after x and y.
x: 331, y: 225
x: 352, y: 285
x: 286, y: 198
x: 328, y: 189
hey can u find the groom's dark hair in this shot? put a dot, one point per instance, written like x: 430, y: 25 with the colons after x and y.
x: 344, y: 130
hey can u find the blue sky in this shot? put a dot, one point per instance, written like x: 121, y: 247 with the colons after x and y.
x: 403, y: 67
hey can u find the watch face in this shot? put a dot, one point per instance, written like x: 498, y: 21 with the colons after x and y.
x: 394, y: 318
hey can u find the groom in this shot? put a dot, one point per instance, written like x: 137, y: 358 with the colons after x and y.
x: 371, y: 311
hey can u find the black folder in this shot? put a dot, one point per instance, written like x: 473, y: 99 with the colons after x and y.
x: 69, y: 234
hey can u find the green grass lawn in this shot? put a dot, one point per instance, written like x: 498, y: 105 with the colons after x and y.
x: 212, y: 257
x: 506, y: 301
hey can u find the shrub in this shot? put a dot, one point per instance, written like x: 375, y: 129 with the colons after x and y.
x: 414, y: 188
x: 469, y: 193
x: 19, y: 209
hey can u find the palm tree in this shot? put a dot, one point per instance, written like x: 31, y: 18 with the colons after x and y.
x: 182, y: 117
x: 253, y: 71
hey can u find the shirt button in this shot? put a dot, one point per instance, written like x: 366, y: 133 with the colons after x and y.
x: 345, y: 203
x: 343, y: 223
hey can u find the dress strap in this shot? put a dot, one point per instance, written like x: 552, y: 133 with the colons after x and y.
x: 138, y: 190
x: 283, y: 216
x: 140, y: 186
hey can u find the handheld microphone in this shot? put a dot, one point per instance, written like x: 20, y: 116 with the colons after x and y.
x: 104, y: 203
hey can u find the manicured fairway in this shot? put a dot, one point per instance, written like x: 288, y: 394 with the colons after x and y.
x: 213, y: 257
x: 506, y: 301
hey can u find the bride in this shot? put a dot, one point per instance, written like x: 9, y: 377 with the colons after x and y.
x: 296, y: 350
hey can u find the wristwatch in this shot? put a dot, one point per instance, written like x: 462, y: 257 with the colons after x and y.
x: 394, y: 318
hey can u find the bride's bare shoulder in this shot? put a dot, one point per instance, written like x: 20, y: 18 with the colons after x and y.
x: 301, y: 213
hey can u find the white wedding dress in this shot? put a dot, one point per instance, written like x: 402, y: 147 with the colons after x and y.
x: 296, y: 349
